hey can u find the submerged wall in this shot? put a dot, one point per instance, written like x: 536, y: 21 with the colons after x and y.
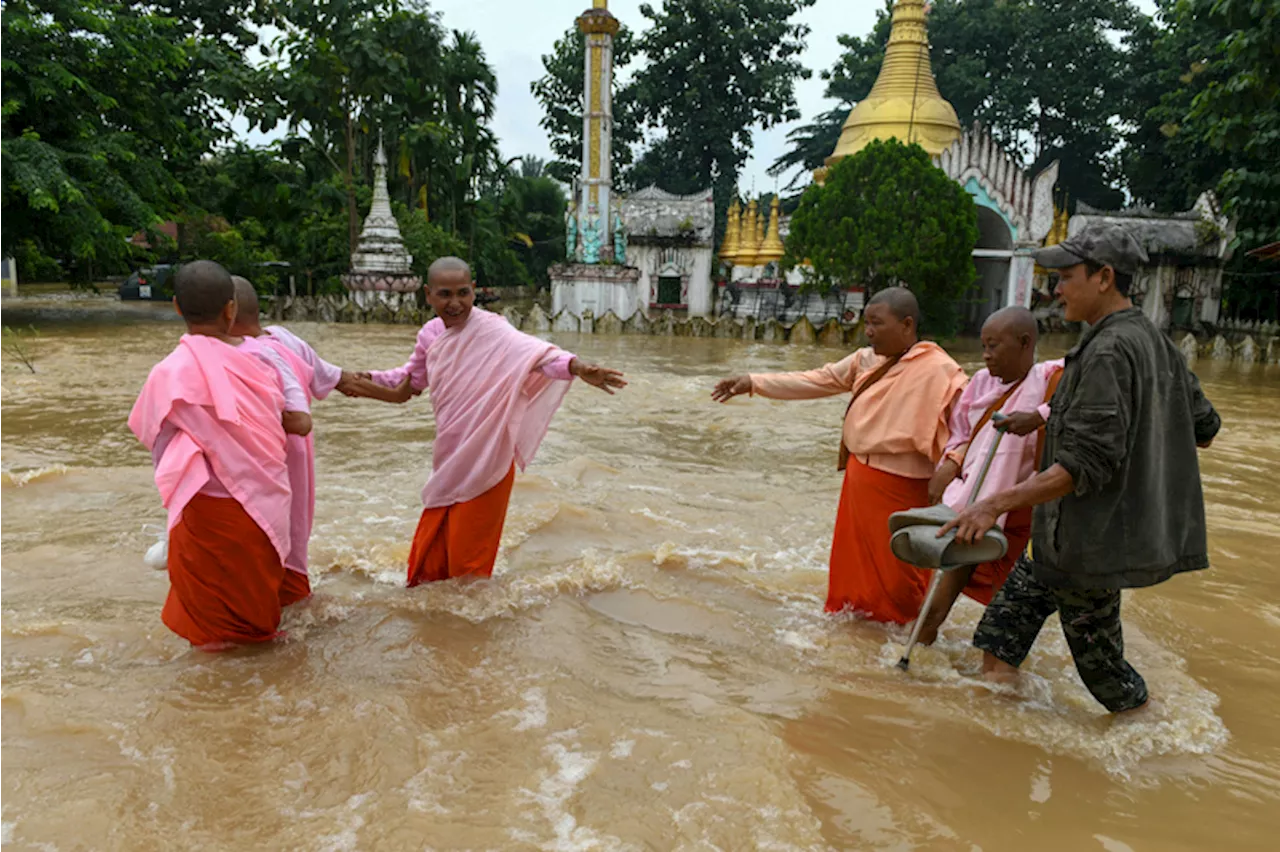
x: 1243, y: 342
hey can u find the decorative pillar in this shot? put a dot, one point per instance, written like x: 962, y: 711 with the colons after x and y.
x: 595, y: 188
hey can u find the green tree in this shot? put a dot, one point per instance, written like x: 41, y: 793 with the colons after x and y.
x: 106, y: 107
x: 716, y: 70
x: 886, y: 217
x: 1238, y: 110
x: 560, y: 91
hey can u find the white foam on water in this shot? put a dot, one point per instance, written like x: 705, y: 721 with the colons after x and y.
x: 557, y: 788
x: 534, y: 714
x: 513, y: 592
x: 347, y: 838
x: 1050, y: 708
x: 38, y: 474
x: 6, y: 832
x: 622, y: 749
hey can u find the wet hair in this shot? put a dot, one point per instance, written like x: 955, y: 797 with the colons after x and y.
x: 202, y: 289
x: 1123, y: 279
x: 1016, y: 319
x: 246, y: 301
x: 447, y: 265
x: 901, y: 302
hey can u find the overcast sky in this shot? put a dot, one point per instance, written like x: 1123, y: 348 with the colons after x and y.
x: 516, y: 33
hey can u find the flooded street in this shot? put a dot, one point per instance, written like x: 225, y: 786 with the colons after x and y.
x: 649, y: 668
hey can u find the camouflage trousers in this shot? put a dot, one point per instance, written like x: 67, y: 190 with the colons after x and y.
x: 1090, y: 623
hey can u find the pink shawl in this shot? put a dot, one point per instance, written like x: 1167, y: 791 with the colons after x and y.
x: 300, y: 458
x: 226, y: 406
x: 492, y: 406
x: 1015, y: 459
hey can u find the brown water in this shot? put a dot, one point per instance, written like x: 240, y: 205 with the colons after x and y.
x: 649, y: 668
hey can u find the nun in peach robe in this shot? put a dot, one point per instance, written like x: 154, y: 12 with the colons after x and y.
x: 494, y: 391
x: 210, y: 413
x: 895, y: 433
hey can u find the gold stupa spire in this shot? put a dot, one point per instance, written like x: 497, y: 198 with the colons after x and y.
x: 749, y: 245
x: 732, y: 233
x: 771, y: 248
x: 904, y: 102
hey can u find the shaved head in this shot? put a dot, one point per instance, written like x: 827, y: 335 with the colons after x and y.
x: 448, y: 267
x: 1009, y: 343
x: 202, y: 290
x: 246, y: 301
x: 1016, y: 321
x: 900, y: 301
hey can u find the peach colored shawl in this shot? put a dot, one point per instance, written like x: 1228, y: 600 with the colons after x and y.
x: 900, y: 424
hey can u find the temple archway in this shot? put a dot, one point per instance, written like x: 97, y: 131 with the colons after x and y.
x: 991, y: 258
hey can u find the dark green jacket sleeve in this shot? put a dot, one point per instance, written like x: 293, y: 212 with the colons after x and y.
x: 1206, y: 417
x: 1095, y: 426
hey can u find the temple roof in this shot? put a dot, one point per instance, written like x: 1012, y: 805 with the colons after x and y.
x: 1201, y: 232
x: 652, y: 212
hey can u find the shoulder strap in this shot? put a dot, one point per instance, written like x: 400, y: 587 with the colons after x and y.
x: 994, y: 407
x: 876, y: 375
x: 1050, y: 390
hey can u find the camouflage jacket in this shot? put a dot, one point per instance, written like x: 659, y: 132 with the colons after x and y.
x: 1125, y: 423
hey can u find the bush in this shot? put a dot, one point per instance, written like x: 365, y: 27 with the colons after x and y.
x: 888, y: 217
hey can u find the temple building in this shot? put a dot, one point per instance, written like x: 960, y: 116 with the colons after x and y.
x: 651, y: 250
x: 1181, y: 286
x: 380, y: 265
x: 1015, y: 209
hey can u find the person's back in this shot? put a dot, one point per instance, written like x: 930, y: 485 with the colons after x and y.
x: 1137, y: 515
x: 212, y: 415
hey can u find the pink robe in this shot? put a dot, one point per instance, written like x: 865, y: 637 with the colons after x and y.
x: 1015, y: 460
x: 318, y: 378
x: 493, y: 401
x: 224, y: 406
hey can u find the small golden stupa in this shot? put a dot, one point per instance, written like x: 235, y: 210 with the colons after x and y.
x: 904, y: 103
x: 771, y: 248
x: 749, y: 245
x: 732, y: 233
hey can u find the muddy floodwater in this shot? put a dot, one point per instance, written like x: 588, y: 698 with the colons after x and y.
x: 649, y: 668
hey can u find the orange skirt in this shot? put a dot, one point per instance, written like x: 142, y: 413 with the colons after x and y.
x: 224, y: 576
x: 865, y: 575
x: 460, y: 540
x: 295, y: 587
x: 990, y: 576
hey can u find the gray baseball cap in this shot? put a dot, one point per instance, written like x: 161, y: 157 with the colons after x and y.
x: 1103, y: 244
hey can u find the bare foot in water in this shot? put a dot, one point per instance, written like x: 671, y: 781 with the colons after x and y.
x: 998, y: 671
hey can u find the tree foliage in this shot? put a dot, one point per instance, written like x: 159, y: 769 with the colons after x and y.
x: 107, y: 107
x: 886, y: 217
x: 715, y: 71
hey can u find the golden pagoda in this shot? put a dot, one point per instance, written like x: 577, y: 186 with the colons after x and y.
x: 904, y: 102
x: 771, y: 248
x: 749, y: 244
x: 732, y: 233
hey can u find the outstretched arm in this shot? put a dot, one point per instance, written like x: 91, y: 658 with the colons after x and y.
x: 414, y: 371
x: 359, y: 385
x: 598, y: 377
x: 828, y: 380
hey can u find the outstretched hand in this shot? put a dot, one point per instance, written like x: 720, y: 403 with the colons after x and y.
x: 598, y: 377
x: 1019, y: 422
x: 361, y: 385
x: 971, y: 524
x: 727, y: 389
